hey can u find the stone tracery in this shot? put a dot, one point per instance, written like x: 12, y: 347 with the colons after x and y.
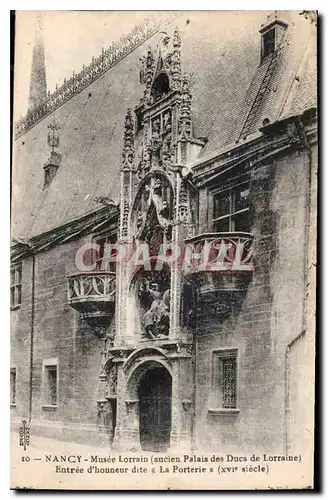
x: 154, y: 188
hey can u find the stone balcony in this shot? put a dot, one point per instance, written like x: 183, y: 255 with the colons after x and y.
x: 93, y: 295
x: 220, y: 266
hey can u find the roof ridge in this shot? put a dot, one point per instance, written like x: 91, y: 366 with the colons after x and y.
x: 298, y: 70
x: 98, y: 67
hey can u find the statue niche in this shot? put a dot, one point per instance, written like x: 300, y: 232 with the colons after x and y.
x: 154, y: 305
x: 152, y: 211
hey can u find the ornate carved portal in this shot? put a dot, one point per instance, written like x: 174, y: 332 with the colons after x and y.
x: 158, y: 211
x: 157, y: 197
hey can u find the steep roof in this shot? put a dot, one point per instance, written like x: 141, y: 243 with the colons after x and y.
x: 221, y: 49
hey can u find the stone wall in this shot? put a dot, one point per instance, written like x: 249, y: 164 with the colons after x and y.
x: 268, y: 318
x: 58, y: 333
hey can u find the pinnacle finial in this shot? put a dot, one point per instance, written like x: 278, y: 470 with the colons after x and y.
x: 185, y: 81
x: 38, y: 84
x: 176, y: 38
x: 128, y: 141
x: 128, y: 119
x: 39, y: 21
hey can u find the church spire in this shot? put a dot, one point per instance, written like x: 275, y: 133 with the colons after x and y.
x: 38, y: 84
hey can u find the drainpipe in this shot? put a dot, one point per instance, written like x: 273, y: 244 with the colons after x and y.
x: 287, y: 390
x: 305, y: 280
x: 193, y: 364
x: 32, y: 339
x: 30, y: 251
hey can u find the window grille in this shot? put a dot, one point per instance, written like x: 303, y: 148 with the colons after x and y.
x: 229, y: 382
x: 225, y: 378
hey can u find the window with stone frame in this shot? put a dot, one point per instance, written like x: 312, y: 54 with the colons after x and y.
x: 231, y: 209
x: 98, y: 256
x: 12, y: 386
x: 50, y: 383
x: 225, y: 378
x: 16, y: 286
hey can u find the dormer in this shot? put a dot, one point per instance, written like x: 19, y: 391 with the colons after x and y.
x: 272, y: 32
x: 52, y: 165
x: 50, y: 168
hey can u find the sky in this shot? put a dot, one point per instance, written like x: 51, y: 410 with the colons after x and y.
x: 71, y: 38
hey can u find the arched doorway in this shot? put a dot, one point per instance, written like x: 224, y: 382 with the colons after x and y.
x: 155, y: 398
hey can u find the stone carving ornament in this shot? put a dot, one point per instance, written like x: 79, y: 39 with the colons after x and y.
x: 156, y: 319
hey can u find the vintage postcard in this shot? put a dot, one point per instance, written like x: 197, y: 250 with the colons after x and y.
x: 163, y: 250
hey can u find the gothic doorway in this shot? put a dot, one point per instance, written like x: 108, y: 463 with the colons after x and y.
x: 155, y: 398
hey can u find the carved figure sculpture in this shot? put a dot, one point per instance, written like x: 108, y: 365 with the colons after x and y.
x: 156, y: 320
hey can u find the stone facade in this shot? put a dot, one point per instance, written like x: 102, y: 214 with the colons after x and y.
x: 178, y: 357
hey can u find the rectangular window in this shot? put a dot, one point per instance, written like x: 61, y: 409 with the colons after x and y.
x: 12, y: 386
x: 99, y: 255
x: 50, y: 384
x: 225, y: 378
x: 231, y: 209
x: 16, y: 286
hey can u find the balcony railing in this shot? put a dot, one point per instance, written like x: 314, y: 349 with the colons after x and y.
x: 93, y: 295
x: 219, y: 253
x: 219, y: 264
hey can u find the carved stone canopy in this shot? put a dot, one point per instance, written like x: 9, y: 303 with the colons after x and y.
x: 161, y: 72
